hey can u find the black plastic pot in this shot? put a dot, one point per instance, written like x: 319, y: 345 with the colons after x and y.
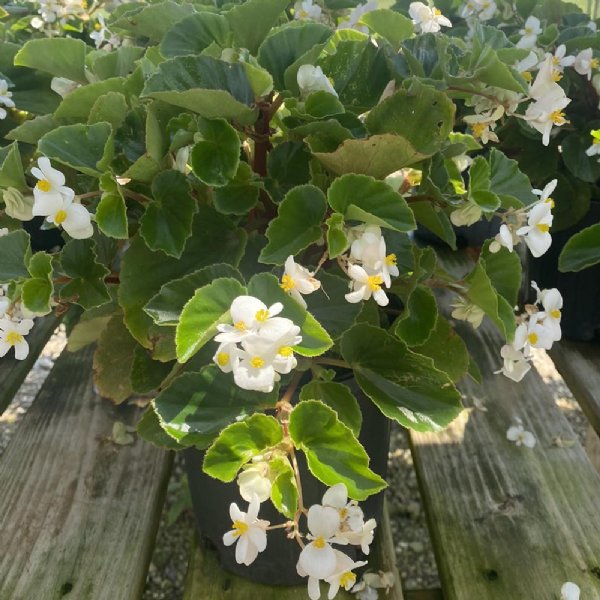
x: 277, y: 564
x: 580, y: 291
x: 43, y: 239
x: 473, y: 236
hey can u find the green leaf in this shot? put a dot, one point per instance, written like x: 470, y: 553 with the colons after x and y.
x: 284, y: 492
x: 482, y: 293
x: 112, y: 361
x: 419, y: 317
x: 154, y: 20
x: 337, y: 396
x: 479, y: 186
x: 239, y: 443
x: 17, y: 205
x: 194, y: 33
x: 167, y: 223
x: 210, y: 87
x: 421, y: 115
x: 333, y: 453
x: 149, y: 429
x: 111, y: 213
x: 404, y: 385
x: 337, y: 240
x: 504, y: 270
x: 199, y: 318
x: 11, y: 168
x: 118, y: 63
x: 111, y: 108
x: 38, y: 292
x: 315, y: 340
x: 581, y: 251
x: 285, y: 45
x: 61, y: 57
x: 240, y: 195
x: 251, y: 21
x: 166, y: 306
x: 322, y: 104
x: 14, y: 255
x: 86, y: 148
x: 87, y: 332
x: 87, y: 287
x: 216, y: 157
x: 147, y: 374
x: 32, y: 130
x: 447, y: 350
x: 584, y: 167
x: 297, y: 226
x: 288, y: 165
x: 197, y: 406
x: 432, y: 217
x: 362, y: 198
x: 390, y: 25
x: 508, y: 182
x: 143, y: 272
x: 76, y: 106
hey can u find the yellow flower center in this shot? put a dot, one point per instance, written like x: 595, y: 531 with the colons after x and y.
x: 60, y: 217
x: 287, y: 283
x: 222, y: 358
x: 555, y: 60
x: 595, y: 63
x: 390, y: 260
x: 343, y: 513
x: 374, y: 282
x: 478, y: 129
x: 257, y: 362
x: 437, y: 12
x: 43, y: 185
x: 558, y: 117
x: 13, y: 338
x: 286, y: 351
x: 320, y: 543
x: 347, y: 579
x: 556, y: 76
x: 533, y: 338
x: 240, y: 325
x: 543, y: 227
x: 262, y: 315
x: 550, y: 201
x: 239, y: 528
x: 97, y: 27
x: 555, y: 314
x: 596, y: 141
x: 528, y: 30
x: 527, y: 76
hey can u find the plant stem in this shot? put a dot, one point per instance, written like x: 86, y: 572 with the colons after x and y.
x: 291, y: 388
x: 90, y: 194
x: 301, y: 508
x: 135, y: 196
x: 334, y: 362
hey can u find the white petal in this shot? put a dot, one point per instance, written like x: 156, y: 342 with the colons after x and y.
x: 357, y: 295
x: 230, y: 538
x: 235, y: 513
x: 514, y: 432
x: 528, y: 439
x: 336, y: 496
x: 78, y: 217
x: 258, y: 537
x: 46, y: 204
x: 21, y: 350
x: 570, y: 591
x: 323, y: 521
x: 4, y: 347
x: 242, y: 549
x: 318, y: 562
x: 314, y: 590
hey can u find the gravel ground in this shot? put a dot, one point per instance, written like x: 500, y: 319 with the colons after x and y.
x: 413, y: 547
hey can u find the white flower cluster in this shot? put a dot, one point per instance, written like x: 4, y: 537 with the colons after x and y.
x: 376, y: 269
x: 312, y: 79
x: 531, y: 224
x: 55, y: 201
x: 103, y: 37
x: 266, y: 344
x: 336, y: 521
x: 298, y: 281
x: 483, y: 10
x: 537, y: 329
x: 5, y: 99
x: 305, y: 10
x: 353, y: 18
x: 427, y: 19
x: 55, y: 14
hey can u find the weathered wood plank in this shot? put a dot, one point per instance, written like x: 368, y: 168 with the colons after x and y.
x: 78, y: 515
x: 433, y: 594
x: 592, y: 447
x: 579, y: 365
x: 12, y: 371
x: 506, y: 521
x: 206, y: 579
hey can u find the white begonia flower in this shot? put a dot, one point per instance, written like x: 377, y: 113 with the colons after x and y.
x: 282, y: 335
x: 594, y: 149
x: 306, y: 9
x: 5, y: 98
x: 516, y: 365
x: 227, y: 358
x: 248, y: 315
x: 364, y: 286
x: 546, y: 111
x: 427, y: 19
x: 529, y: 33
x: 533, y: 334
x: 351, y: 515
x: 369, y: 247
x: 317, y: 559
x: 552, y: 302
x: 248, y: 531
x: 73, y: 218
x: 528, y: 63
x: 255, y: 370
x: 363, y: 538
x: 484, y: 10
x: 254, y: 481
x: 467, y: 311
x: 570, y: 591
x: 466, y: 215
x: 585, y: 63
x: 298, y: 280
x: 312, y: 79
x: 12, y: 335
x: 4, y: 305
x: 342, y: 577
x: 50, y: 190
x: 181, y: 160
x: 537, y: 231
x: 102, y: 36
x: 355, y: 15
x: 518, y: 435
x: 559, y: 60
x: 462, y: 162
x: 505, y: 238
x: 483, y: 125
x: 545, y: 194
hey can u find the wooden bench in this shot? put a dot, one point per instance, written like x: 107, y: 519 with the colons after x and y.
x: 79, y: 515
